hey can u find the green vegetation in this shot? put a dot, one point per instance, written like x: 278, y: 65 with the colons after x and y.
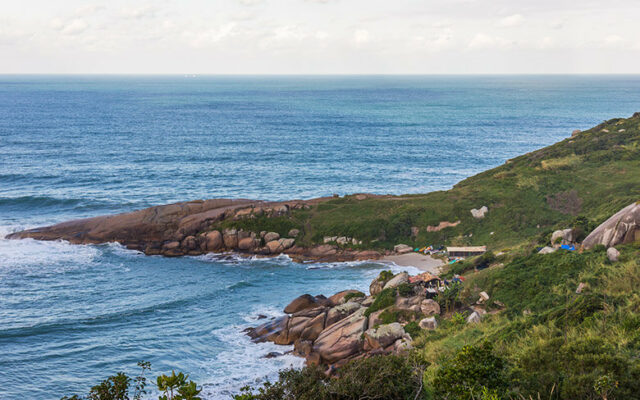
x: 353, y: 295
x: 379, y: 377
x: 383, y: 300
x: 117, y: 387
x: 592, y: 174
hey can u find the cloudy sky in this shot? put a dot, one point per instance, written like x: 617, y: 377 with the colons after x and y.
x: 320, y: 36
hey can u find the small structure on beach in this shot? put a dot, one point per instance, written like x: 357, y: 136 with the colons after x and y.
x: 468, y: 251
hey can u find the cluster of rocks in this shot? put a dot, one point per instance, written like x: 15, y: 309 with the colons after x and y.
x: 621, y: 228
x: 332, y: 331
x: 341, y: 240
x: 228, y: 240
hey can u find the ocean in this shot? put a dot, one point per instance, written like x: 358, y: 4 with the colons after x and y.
x: 80, y: 146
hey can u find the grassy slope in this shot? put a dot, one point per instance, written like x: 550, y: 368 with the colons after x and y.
x: 601, y: 167
x: 554, y: 339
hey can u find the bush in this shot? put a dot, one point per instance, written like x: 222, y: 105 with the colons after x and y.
x: 383, y: 300
x: 469, y: 372
x: 449, y: 299
x: 378, y: 377
x: 353, y: 295
x: 116, y: 387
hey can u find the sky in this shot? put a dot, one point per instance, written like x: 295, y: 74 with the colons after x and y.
x: 320, y: 36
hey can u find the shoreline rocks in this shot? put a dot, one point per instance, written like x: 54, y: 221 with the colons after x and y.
x: 333, y: 331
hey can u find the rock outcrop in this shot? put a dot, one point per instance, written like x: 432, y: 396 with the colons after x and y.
x: 479, y: 212
x: 188, y: 228
x: 563, y: 236
x: 336, y: 330
x: 397, y: 280
x: 622, y: 228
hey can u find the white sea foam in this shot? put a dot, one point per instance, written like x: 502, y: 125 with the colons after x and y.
x: 42, y: 257
x: 244, y: 361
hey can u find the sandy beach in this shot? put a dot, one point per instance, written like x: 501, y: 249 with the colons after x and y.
x: 421, y: 261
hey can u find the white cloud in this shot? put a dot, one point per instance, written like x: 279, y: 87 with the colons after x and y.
x: 511, y: 21
x: 72, y: 27
x: 484, y: 41
x: 361, y: 36
x: 309, y: 36
x: 140, y: 12
x: 250, y: 2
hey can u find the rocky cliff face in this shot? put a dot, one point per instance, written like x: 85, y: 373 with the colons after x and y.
x: 622, y: 228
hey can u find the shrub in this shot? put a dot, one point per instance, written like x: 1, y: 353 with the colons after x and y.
x: 413, y: 329
x: 472, y: 370
x: 378, y: 377
x: 450, y: 297
x: 383, y: 300
x: 353, y: 295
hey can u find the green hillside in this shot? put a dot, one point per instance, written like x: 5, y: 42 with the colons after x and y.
x: 591, y: 174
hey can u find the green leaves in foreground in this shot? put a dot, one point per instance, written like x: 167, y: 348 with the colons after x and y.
x: 116, y: 387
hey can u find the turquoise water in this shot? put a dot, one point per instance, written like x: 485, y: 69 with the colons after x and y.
x: 74, y: 146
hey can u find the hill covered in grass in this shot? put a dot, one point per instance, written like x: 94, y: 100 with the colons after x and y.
x: 591, y: 174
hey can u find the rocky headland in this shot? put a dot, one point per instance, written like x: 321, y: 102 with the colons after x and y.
x: 188, y: 228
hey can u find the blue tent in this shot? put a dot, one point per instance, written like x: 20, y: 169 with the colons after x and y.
x: 568, y: 247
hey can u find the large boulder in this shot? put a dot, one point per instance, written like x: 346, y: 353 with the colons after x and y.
x: 314, y: 327
x: 429, y: 323
x: 299, y: 322
x: 383, y: 336
x: 287, y: 243
x: 271, y: 236
x: 402, y: 248
x: 189, y: 243
x: 172, y: 249
x: 342, y: 311
x: 613, y: 254
x: 397, y: 280
x: 248, y: 244
x: 622, y: 228
x: 429, y: 307
x: 562, y: 236
x: 547, y: 250
x: 272, y: 331
x: 377, y: 285
x: 275, y: 247
x: 412, y: 303
x: 212, y: 241
x: 340, y: 297
x: 230, y: 238
x: 302, y: 303
x: 474, y: 318
x: 323, y: 251
x: 374, y: 318
x: 342, y: 339
x: 294, y: 233
x: 480, y: 212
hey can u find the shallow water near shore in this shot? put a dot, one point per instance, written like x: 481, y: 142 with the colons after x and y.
x: 75, y: 147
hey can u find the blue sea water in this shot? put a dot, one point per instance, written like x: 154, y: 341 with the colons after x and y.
x: 79, y: 146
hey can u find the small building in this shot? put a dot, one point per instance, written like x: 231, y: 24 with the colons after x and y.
x: 468, y: 251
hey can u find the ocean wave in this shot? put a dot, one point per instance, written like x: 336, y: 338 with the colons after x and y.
x: 244, y: 363
x: 39, y: 203
x: 239, y: 259
x: 36, y: 258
